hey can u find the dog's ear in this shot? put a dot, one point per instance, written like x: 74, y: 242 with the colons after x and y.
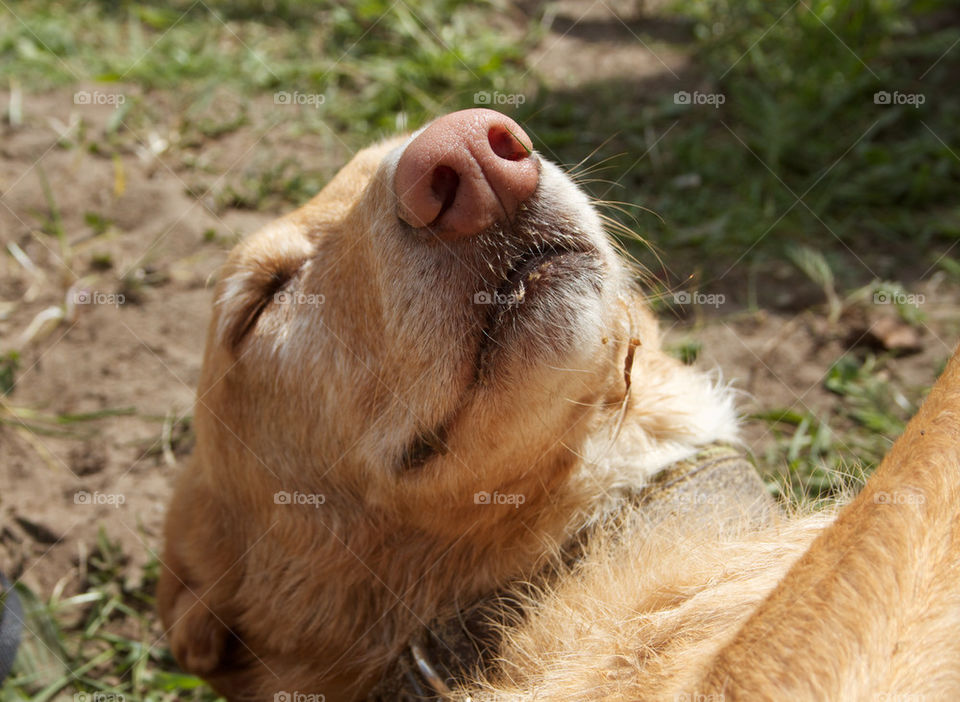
x: 194, y: 589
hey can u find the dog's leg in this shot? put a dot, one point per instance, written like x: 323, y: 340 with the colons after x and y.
x: 197, y: 577
x: 873, y: 608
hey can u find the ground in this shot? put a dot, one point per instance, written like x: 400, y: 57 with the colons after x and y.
x: 117, y: 211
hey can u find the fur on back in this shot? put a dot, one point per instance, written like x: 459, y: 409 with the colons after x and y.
x: 649, y: 604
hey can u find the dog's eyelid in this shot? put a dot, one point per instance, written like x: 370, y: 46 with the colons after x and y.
x: 242, y: 329
x: 425, y: 446
x: 280, y: 281
x: 277, y: 282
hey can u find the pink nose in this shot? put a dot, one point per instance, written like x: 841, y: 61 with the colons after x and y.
x: 464, y: 172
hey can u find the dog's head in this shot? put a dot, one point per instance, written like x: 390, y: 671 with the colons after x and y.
x: 398, y: 382
x: 439, y: 315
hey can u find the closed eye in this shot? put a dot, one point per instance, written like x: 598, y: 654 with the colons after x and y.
x: 274, y: 285
x: 426, y: 445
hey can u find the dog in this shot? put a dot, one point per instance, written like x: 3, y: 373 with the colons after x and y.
x: 435, y: 390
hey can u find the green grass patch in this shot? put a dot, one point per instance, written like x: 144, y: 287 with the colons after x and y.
x: 847, y: 105
x: 9, y: 364
x: 814, y: 456
x: 371, y: 60
x: 100, y: 644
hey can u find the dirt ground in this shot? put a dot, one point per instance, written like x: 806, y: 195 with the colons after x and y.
x: 145, y: 220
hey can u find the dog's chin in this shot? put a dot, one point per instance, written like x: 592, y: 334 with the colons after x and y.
x: 547, y: 316
x: 545, y: 312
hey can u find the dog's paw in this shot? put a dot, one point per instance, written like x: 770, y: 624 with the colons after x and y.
x: 197, y: 636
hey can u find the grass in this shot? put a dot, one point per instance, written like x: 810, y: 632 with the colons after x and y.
x: 815, y: 454
x: 708, y: 186
x: 798, y: 116
x: 9, y: 362
x: 101, y: 644
x: 104, y: 641
x: 798, y: 121
x: 371, y: 60
x: 816, y: 450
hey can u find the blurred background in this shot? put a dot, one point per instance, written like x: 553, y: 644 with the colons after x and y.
x: 785, y: 172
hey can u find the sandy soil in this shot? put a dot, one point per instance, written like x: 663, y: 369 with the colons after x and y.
x: 135, y: 346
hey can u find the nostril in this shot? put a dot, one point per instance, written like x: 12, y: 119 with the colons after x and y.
x: 505, y: 144
x: 444, y: 183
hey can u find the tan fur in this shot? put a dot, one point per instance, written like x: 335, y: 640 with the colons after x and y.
x: 323, y: 397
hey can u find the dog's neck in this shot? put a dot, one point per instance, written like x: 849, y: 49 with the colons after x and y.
x: 678, y: 424
x: 717, y: 483
x: 672, y: 411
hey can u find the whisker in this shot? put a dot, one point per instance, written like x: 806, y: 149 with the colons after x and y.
x: 590, y: 155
